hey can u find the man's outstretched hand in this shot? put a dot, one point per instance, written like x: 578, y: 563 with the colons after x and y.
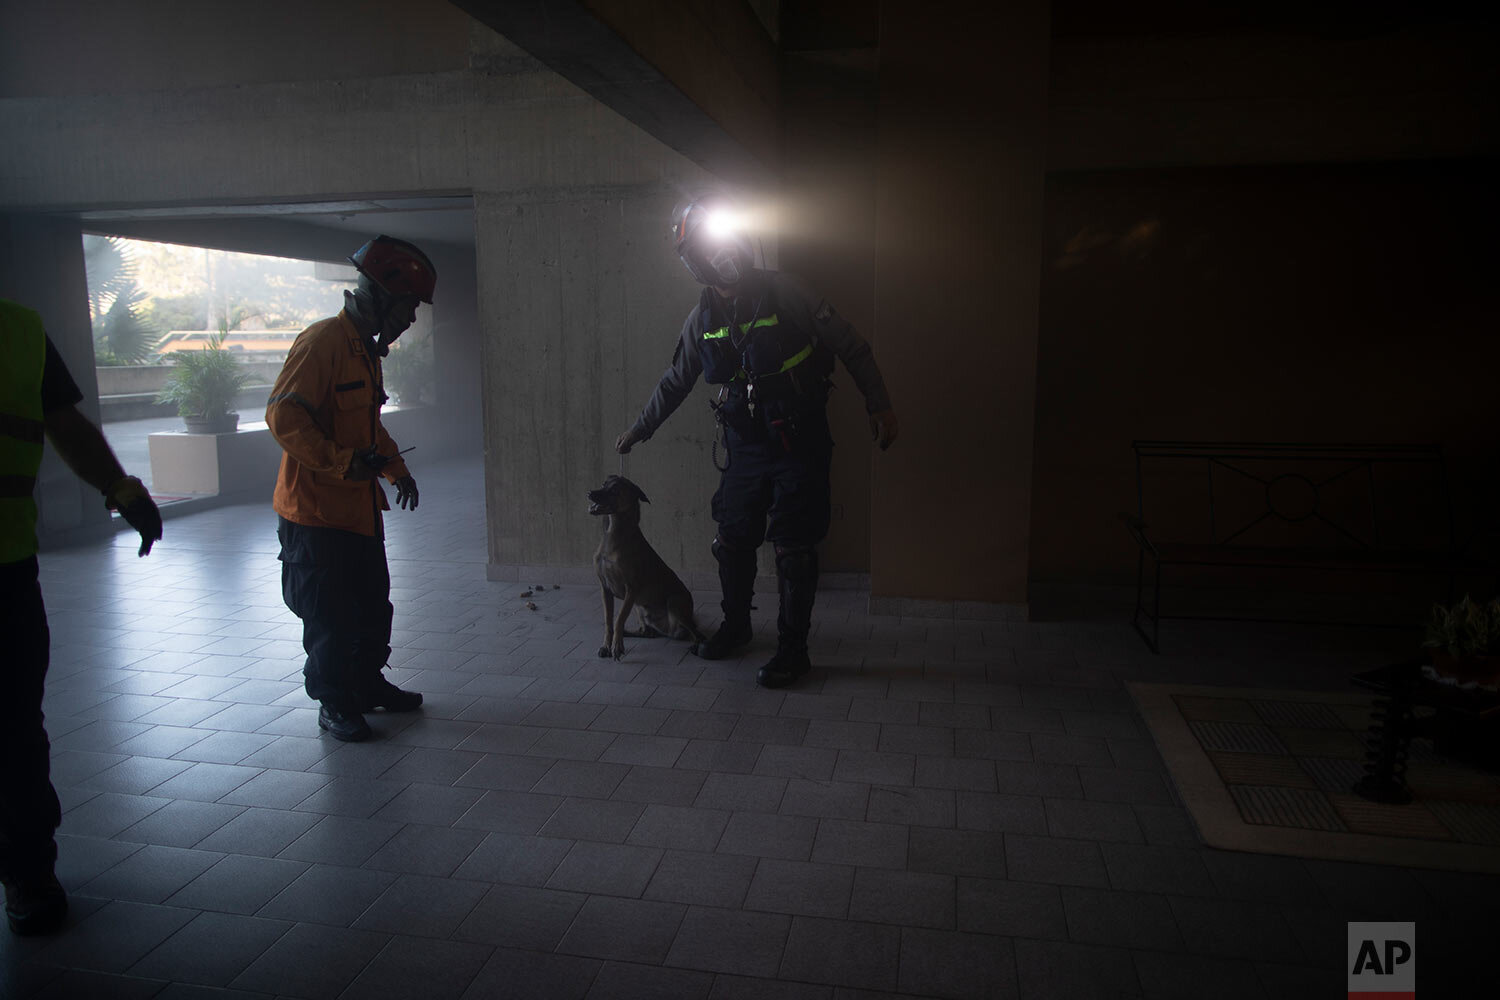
x: 129, y: 497
x: 884, y: 428
x: 625, y: 441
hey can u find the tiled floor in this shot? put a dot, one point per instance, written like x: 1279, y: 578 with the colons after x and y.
x: 946, y: 809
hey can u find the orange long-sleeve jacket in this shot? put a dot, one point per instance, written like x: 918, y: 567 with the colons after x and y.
x: 324, y: 407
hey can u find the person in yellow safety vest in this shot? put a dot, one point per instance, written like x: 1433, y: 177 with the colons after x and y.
x: 324, y: 411
x: 38, y: 396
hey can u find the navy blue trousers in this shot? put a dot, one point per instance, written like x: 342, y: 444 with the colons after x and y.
x: 339, y: 584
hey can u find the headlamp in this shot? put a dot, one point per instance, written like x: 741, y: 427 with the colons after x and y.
x: 722, y: 223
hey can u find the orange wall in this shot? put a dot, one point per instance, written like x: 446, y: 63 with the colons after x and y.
x: 1321, y: 303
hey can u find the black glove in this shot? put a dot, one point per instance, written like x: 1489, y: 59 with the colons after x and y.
x: 406, y: 490
x: 129, y: 497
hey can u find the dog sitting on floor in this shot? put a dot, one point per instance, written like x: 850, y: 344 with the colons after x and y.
x: 630, y: 569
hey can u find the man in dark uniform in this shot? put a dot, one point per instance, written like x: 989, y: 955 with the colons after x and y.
x: 768, y: 343
x: 38, y: 396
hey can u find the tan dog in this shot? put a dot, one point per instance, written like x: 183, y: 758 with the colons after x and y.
x: 630, y: 569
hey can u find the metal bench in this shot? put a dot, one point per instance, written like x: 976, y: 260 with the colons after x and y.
x: 1278, y: 506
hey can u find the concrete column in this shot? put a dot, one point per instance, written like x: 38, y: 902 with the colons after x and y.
x: 581, y: 300
x: 962, y: 113
x: 41, y: 267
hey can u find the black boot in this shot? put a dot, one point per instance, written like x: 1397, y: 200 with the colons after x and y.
x: 35, y: 904
x: 737, y: 581
x: 797, y: 575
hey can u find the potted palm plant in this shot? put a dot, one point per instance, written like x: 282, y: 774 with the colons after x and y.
x: 1465, y: 644
x: 204, y: 385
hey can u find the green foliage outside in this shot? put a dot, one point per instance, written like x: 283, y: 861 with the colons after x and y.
x: 407, y: 371
x: 205, y: 382
x: 123, y: 334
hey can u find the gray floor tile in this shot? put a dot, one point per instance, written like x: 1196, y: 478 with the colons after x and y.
x: 257, y: 831
x: 514, y: 858
x: 875, y: 768
x: 422, y: 906
x: 348, y: 796
x: 206, y: 782
x: 609, y: 869
x: 1166, y: 976
x: 107, y: 813
x: 593, y: 819
x: 528, y: 973
x: 76, y: 984
x: 650, y: 751
x: 1021, y: 777
x: 719, y: 757
x: 1120, y: 919
x: 180, y: 824
x: 702, y: 879
x: 425, y: 850
x: 504, y: 772
x: 1263, y: 877
x: 626, y: 930
x: 1086, y: 820
x: 957, y: 852
x: 903, y: 898
x: 311, y: 961
x: 629, y: 981
x: 842, y: 953
x: 870, y: 845
x: 432, y: 766
x: 1147, y: 868
x: 151, y: 874
x: 501, y: 811
x: 953, y: 964
x: 1115, y: 784
x: 1064, y: 971
x: 341, y: 840
x: 679, y: 827
x: 237, y: 884
x: 735, y: 792
x: 796, y: 762
x: 841, y: 735
x: 1055, y: 861
x: 410, y: 967
x: 833, y: 799
x: 798, y: 887
x: 589, y: 779
x: 1236, y: 929
x: 82, y: 859
x: 133, y: 775
x: 328, y: 894
x: 660, y: 785
x: 434, y: 805
x: 727, y: 941
x: 521, y: 917
x: 1010, y: 909
x: 211, y: 949
x: 789, y: 837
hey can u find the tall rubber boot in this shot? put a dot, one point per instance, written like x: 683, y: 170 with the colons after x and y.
x: 797, y: 576
x: 737, y: 582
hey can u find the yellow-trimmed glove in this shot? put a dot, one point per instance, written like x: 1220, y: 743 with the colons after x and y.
x: 128, y: 496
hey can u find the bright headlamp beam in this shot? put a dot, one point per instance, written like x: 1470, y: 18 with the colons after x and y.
x: 721, y: 223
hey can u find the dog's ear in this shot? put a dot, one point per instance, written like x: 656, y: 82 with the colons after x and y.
x: 640, y: 493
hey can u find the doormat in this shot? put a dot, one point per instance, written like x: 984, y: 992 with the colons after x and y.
x: 1272, y: 771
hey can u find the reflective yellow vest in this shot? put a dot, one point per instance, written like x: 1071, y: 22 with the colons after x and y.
x: 23, y: 354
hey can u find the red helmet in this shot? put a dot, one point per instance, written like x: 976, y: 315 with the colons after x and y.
x: 397, y: 266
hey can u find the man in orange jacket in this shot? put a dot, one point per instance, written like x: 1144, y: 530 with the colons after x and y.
x: 324, y: 411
